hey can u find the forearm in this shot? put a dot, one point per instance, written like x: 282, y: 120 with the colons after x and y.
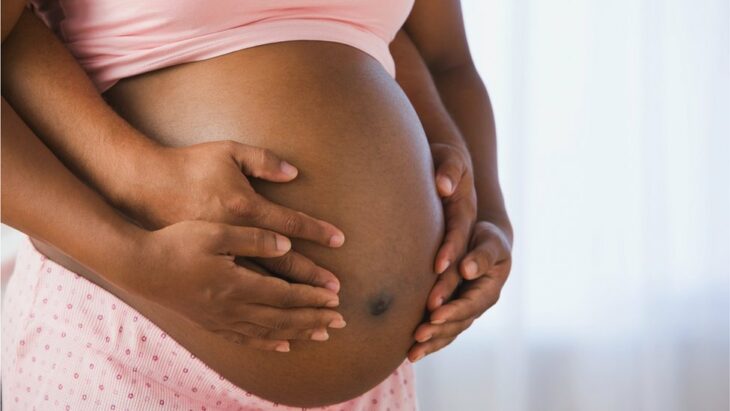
x: 414, y: 78
x: 55, y: 97
x: 466, y: 99
x: 457, y: 111
x: 45, y: 200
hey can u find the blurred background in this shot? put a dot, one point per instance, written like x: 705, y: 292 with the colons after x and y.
x: 613, y: 123
x: 614, y: 148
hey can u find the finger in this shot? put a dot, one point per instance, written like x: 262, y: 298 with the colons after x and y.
x: 427, y: 331
x: 459, y: 220
x: 448, y: 175
x: 257, y: 343
x: 275, y: 292
x: 291, y: 318
x: 476, y: 297
x: 478, y: 261
x: 444, y: 287
x: 420, y: 350
x: 259, y: 332
x: 489, y: 249
x: 262, y: 163
x: 248, y: 241
x: 297, y: 268
x: 265, y: 214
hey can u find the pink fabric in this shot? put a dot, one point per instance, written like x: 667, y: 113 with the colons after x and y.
x: 68, y: 344
x: 117, y: 39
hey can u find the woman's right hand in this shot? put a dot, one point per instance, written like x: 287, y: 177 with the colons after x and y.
x: 208, y: 181
x: 189, y: 267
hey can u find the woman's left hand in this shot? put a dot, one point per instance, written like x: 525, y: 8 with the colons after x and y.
x: 485, y: 270
x: 455, y: 185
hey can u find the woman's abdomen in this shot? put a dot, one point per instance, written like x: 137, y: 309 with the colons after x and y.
x: 364, y: 165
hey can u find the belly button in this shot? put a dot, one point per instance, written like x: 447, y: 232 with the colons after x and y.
x: 380, y: 303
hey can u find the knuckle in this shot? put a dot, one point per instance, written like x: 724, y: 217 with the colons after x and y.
x: 258, y: 332
x: 281, y: 265
x: 216, y: 232
x: 259, y: 239
x: 242, y: 207
x: 484, y: 258
x: 287, y: 298
x: 265, y: 333
x: 282, y: 322
x: 292, y: 224
x: 267, y: 155
x: 258, y: 155
x: 286, y: 264
x: 454, y: 165
x: 311, y: 277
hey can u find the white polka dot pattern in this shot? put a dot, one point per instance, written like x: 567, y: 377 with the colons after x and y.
x: 68, y: 344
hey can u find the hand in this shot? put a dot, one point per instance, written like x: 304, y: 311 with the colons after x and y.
x: 208, y: 182
x: 455, y: 184
x: 485, y: 268
x: 189, y: 268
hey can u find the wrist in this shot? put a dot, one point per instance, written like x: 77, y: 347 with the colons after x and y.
x: 133, y: 253
x: 128, y: 189
x: 108, y: 250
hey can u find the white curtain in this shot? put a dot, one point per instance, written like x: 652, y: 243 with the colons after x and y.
x: 614, y: 148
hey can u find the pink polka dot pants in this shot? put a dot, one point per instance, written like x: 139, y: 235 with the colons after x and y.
x: 68, y: 344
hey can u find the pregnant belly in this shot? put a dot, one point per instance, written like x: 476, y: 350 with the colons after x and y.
x: 364, y: 165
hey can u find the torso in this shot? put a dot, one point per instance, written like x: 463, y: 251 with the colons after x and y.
x: 365, y: 166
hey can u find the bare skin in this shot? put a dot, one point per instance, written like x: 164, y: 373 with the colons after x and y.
x: 334, y: 130
x: 361, y: 152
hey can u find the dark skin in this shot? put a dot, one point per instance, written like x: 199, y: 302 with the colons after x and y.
x: 35, y: 178
x: 445, y: 89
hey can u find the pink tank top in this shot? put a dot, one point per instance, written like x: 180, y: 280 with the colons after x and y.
x: 114, y: 39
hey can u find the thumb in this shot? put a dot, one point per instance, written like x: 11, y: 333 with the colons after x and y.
x: 262, y: 163
x: 448, y: 176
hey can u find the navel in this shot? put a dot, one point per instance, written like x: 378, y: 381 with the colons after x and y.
x: 380, y: 303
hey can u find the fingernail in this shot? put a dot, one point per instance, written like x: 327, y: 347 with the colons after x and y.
x: 283, y: 347
x: 332, y: 303
x: 320, y: 335
x: 443, y: 266
x: 437, y: 322
x: 333, y: 286
x: 337, y: 324
x: 337, y: 240
x: 470, y: 269
x: 418, y: 357
x: 282, y: 243
x: 446, y: 185
x: 287, y: 168
x: 439, y: 302
x: 426, y: 338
